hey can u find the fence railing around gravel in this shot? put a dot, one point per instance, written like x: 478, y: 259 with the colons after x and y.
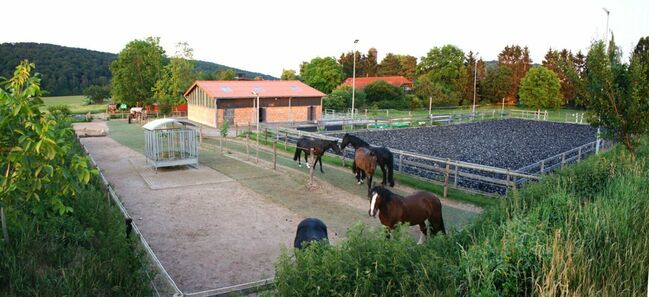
x: 449, y: 173
x: 162, y: 282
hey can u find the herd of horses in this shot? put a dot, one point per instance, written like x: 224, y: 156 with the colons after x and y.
x: 420, y: 208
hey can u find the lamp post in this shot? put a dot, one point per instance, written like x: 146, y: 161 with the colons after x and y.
x: 354, y: 78
x: 475, y: 79
x: 606, y: 33
x: 257, y: 114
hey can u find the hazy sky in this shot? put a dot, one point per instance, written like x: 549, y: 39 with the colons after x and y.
x: 267, y: 36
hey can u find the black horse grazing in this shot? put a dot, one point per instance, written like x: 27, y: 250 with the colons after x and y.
x: 384, y: 157
x: 414, y: 209
x: 310, y: 229
x: 319, y: 147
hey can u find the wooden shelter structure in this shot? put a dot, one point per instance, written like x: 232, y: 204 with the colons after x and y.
x: 170, y: 142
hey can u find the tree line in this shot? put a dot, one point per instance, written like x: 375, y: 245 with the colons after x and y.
x: 70, y: 71
x: 451, y: 77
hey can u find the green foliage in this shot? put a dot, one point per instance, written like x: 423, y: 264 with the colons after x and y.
x: 540, y: 88
x: 497, y: 83
x: 323, y: 74
x: 384, y: 94
x: 539, y: 241
x: 426, y: 89
x: 224, y: 129
x: 226, y: 74
x: 176, y: 77
x: 288, y: 74
x: 617, y: 94
x: 136, y: 70
x: 414, y: 102
x: 518, y: 60
x: 34, y: 151
x: 341, y: 99
x: 442, y: 66
x: 60, y: 110
x: 97, y: 94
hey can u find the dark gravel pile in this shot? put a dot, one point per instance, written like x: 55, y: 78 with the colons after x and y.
x: 510, y: 143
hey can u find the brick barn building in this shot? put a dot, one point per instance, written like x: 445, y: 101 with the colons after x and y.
x: 212, y: 102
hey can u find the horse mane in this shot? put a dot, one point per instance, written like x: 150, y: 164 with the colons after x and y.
x: 386, y: 195
x: 356, y: 139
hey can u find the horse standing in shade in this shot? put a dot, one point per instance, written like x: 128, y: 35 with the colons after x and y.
x: 414, y: 209
x: 310, y: 229
x: 384, y: 157
x: 319, y: 147
x: 364, y: 165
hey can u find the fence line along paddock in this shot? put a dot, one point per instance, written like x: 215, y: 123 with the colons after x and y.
x: 162, y: 283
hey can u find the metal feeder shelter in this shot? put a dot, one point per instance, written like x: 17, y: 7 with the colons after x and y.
x: 169, y: 142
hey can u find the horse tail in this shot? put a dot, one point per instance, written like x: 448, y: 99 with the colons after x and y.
x: 390, y: 165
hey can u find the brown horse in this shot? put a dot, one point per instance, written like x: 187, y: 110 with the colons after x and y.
x: 364, y: 165
x: 414, y: 209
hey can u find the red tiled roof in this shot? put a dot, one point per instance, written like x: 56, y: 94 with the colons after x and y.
x: 224, y: 89
x: 361, y: 82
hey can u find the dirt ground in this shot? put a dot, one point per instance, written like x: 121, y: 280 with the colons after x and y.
x: 208, y: 229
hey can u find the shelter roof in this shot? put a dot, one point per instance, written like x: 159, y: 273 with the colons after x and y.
x: 224, y: 89
x: 166, y: 122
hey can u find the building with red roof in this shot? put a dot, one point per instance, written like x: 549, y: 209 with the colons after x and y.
x: 397, y: 81
x: 215, y: 101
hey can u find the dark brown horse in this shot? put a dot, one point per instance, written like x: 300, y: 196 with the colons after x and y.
x: 364, y: 165
x: 319, y: 146
x: 414, y: 209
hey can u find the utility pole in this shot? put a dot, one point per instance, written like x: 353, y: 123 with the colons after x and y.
x: 354, y: 78
x: 475, y: 79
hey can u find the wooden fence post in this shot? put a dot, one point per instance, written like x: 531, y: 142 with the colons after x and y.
x: 542, y: 165
x: 275, y: 155
x: 312, y: 163
x: 285, y: 140
x: 563, y: 159
x: 400, y: 162
x: 507, y: 184
x: 446, y: 173
x: 455, y: 178
x: 247, y: 145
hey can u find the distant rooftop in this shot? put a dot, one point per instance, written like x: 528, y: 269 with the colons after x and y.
x: 265, y: 88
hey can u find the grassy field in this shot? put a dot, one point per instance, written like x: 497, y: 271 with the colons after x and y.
x: 75, y: 103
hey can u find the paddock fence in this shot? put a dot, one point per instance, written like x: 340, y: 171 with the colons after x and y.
x: 161, y: 282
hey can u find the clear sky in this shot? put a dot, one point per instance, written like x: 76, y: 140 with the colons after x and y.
x: 267, y: 36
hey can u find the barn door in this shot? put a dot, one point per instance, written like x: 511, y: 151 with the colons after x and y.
x: 262, y: 114
x: 228, y: 115
x: 311, y: 113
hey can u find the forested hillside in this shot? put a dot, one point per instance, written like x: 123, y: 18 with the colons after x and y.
x: 68, y: 71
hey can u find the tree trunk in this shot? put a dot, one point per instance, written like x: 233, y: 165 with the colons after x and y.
x: 4, y: 225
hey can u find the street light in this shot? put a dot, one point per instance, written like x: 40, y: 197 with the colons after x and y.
x: 606, y: 33
x: 354, y: 78
x: 257, y: 114
x: 475, y: 79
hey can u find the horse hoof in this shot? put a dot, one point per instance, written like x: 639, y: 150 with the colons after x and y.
x: 299, y: 165
x: 360, y: 183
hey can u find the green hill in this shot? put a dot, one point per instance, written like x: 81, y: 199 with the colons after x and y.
x: 68, y: 71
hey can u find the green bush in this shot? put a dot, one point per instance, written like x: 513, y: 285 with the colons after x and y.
x: 582, y: 231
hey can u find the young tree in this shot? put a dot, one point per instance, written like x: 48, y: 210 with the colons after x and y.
x: 288, y: 74
x: 518, y: 60
x: 430, y: 92
x: 97, y: 94
x: 136, y: 70
x: 443, y: 66
x: 408, y: 66
x: 35, y: 150
x: 540, y: 88
x: 346, y: 60
x: 617, y: 94
x: 177, y: 76
x: 370, y: 63
x: 641, y: 52
x: 324, y: 74
x: 497, y: 84
x: 390, y: 65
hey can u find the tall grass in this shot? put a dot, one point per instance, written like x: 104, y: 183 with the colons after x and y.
x: 83, y: 253
x: 583, y: 231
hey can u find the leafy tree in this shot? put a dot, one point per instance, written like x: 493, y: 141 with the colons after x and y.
x: 497, y: 84
x: 540, y: 88
x: 288, y: 74
x: 341, y: 99
x: 617, y: 94
x: 97, y: 94
x: 323, y: 74
x: 370, y: 64
x: 641, y: 52
x: 177, y: 76
x: 465, y: 82
x: 35, y: 155
x: 408, y: 66
x: 431, y: 92
x: 390, y: 65
x: 384, y: 95
x: 136, y: 70
x: 519, y: 61
x: 346, y: 60
x: 443, y: 66
x: 226, y: 74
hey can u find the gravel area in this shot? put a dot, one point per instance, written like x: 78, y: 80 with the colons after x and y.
x: 510, y: 143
